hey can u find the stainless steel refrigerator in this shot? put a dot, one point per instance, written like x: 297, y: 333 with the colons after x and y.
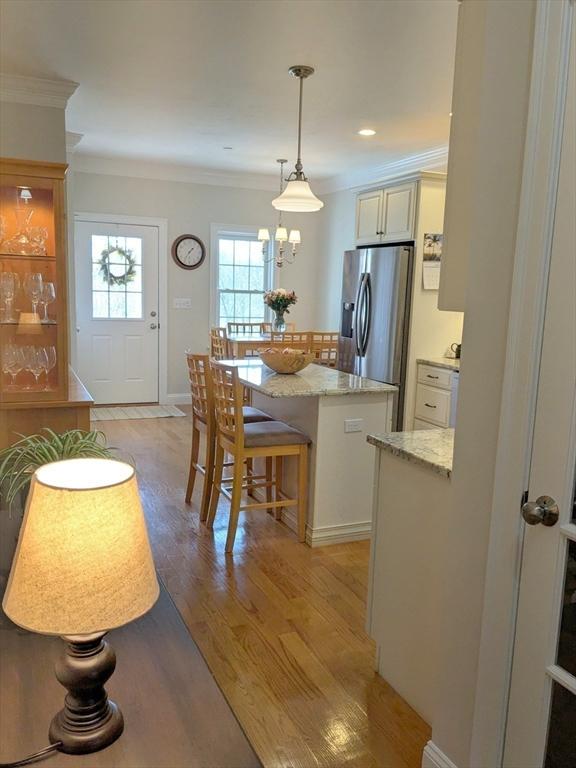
x: 375, y: 316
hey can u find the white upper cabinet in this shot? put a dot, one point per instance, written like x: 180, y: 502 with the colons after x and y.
x: 386, y: 215
x: 368, y: 217
x: 398, y: 209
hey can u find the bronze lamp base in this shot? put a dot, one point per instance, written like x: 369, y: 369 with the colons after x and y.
x: 89, y: 721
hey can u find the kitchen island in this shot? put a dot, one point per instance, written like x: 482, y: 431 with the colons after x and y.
x: 336, y: 410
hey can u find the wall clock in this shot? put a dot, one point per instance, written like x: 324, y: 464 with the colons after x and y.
x: 188, y: 251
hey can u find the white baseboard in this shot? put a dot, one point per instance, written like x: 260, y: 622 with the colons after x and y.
x: 183, y: 399
x: 329, y: 534
x: 432, y: 757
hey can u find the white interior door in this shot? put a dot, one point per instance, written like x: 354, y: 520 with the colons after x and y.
x: 117, y: 311
x: 541, y: 727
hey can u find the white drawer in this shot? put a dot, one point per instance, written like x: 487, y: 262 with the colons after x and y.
x: 432, y: 405
x: 419, y: 424
x: 435, y: 377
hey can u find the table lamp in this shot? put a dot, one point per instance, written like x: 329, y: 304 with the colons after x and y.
x: 83, y: 566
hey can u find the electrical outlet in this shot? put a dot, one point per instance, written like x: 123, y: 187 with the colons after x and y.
x: 353, y: 425
x: 181, y: 303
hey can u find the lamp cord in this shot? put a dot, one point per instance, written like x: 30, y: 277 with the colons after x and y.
x: 33, y: 758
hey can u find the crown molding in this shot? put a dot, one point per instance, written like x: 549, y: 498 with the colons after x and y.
x: 365, y: 178
x: 72, y: 140
x: 36, y: 90
x: 149, y: 169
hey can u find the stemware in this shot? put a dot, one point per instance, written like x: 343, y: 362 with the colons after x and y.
x: 51, y: 360
x: 12, y: 362
x: 9, y: 284
x: 48, y: 296
x: 40, y: 364
x: 33, y: 362
x: 33, y: 286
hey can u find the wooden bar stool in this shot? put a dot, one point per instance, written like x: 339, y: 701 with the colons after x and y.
x: 204, y: 422
x: 325, y: 347
x: 243, y: 441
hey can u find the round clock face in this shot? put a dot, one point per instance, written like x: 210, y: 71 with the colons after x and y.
x: 188, y: 251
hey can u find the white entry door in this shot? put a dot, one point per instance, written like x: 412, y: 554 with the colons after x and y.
x: 541, y: 727
x: 117, y: 311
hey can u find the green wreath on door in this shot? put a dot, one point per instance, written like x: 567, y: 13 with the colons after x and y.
x: 120, y: 271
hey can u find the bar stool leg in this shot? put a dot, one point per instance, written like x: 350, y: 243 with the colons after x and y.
x: 269, y: 482
x: 302, y: 492
x: 208, y: 475
x: 193, y: 461
x: 278, y: 486
x: 235, y: 502
x: 215, y: 495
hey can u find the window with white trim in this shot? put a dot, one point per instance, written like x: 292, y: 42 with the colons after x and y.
x: 242, y: 277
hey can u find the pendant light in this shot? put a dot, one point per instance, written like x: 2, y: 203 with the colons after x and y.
x: 281, y: 236
x: 297, y: 196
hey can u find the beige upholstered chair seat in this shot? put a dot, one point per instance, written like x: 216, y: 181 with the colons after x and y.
x: 252, y: 415
x: 266, y: 433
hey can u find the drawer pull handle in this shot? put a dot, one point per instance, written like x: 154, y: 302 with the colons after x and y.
x: 429, y: 375
x: 430, y: 406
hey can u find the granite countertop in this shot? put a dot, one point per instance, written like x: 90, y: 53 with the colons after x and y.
x: 313, y: 381
x: 432, y: 448
x: 450, y: 363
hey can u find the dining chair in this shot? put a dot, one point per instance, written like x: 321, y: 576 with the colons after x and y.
x: 219, y: 349
x: 325, y: 347
x: 204, y: 422
x: 270, y: 440
x: 292, y: 339
x: 267, y: 328
x: 248, y: 329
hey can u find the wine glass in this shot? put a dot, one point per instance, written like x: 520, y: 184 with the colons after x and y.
x: 8, y: 288
x: 51, y: 361
x: 34, y: 362
x: 41, y: 360
x: 33, y: 286
x: 48, y: 296
x: 11, y: 361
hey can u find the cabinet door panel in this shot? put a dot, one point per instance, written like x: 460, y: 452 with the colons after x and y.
x: 368, y: 215
x: 398, y: 213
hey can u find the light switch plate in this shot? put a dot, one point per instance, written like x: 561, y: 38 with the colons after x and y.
x: 353, y: 425
x: 181, y: 303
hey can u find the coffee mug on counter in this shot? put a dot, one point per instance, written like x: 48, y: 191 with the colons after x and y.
x: 457, y: 349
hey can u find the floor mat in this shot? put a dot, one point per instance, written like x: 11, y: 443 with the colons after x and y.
x: 117, y: 413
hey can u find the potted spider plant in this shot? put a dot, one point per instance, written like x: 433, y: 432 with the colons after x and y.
x: 18, y: 463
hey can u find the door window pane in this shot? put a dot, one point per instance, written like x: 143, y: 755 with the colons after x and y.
x: 560, y: 750
x: 566, y: 656
x: 116, y: 277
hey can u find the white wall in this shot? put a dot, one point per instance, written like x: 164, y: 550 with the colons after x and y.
x: 31, y: 132
x: 192, y: 208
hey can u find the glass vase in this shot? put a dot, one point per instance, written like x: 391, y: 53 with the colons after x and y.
x: 279, y: 322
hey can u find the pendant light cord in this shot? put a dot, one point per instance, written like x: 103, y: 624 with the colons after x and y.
x: 35, y: 757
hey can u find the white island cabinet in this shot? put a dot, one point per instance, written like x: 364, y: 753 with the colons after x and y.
x: 337, y: 410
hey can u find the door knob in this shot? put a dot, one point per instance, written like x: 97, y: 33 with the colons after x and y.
x: 153, y: 326
x: 152, y: 314
x: 544, y: 510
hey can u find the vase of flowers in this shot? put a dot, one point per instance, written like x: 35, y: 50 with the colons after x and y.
x: 279, y: 300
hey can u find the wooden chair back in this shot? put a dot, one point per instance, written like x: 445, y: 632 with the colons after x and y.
x: 218, y: 344
x: 325, y: 347
x: 248, y: 329
x: 228, y: 401
x: 267, y: 327
x: 292, y: 339
x: 201, y: 387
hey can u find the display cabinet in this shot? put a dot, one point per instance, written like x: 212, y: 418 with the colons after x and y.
x: 33, y: 316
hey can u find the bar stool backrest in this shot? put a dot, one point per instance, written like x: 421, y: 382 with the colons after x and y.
x: 218, y: 344
x: 228, y: 401
x: 201, y: 387
x: 295, y: 340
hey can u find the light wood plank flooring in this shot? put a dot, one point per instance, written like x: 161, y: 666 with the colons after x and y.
x: 280, y: 625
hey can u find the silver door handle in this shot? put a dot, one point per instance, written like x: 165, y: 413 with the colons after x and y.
x: 544, y: 510
x: 153, y: 326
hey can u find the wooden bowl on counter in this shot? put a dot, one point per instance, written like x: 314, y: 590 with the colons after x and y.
x: 286, y: 360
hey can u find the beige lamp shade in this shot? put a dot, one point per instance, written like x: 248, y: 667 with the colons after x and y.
x: 297, y: 197
x: 83, y: 562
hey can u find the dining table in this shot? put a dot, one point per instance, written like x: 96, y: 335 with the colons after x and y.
x: 241, y: 345
x: 337, y: 410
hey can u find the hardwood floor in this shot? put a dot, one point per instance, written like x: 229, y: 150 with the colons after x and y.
x: 280, y: 625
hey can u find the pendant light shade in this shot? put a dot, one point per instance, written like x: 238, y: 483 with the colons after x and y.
x: 297, y: 197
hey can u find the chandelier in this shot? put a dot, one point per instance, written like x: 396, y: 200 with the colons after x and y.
x: 297, y: 196
x: 278, y: 252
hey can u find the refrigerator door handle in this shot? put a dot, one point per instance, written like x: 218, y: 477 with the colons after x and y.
x: 357, y: 329
x: 367, y: 306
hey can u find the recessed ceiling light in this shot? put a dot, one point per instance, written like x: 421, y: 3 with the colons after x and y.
x: 366, y: 132
x: 227, y: 147
x: 450, y: 114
